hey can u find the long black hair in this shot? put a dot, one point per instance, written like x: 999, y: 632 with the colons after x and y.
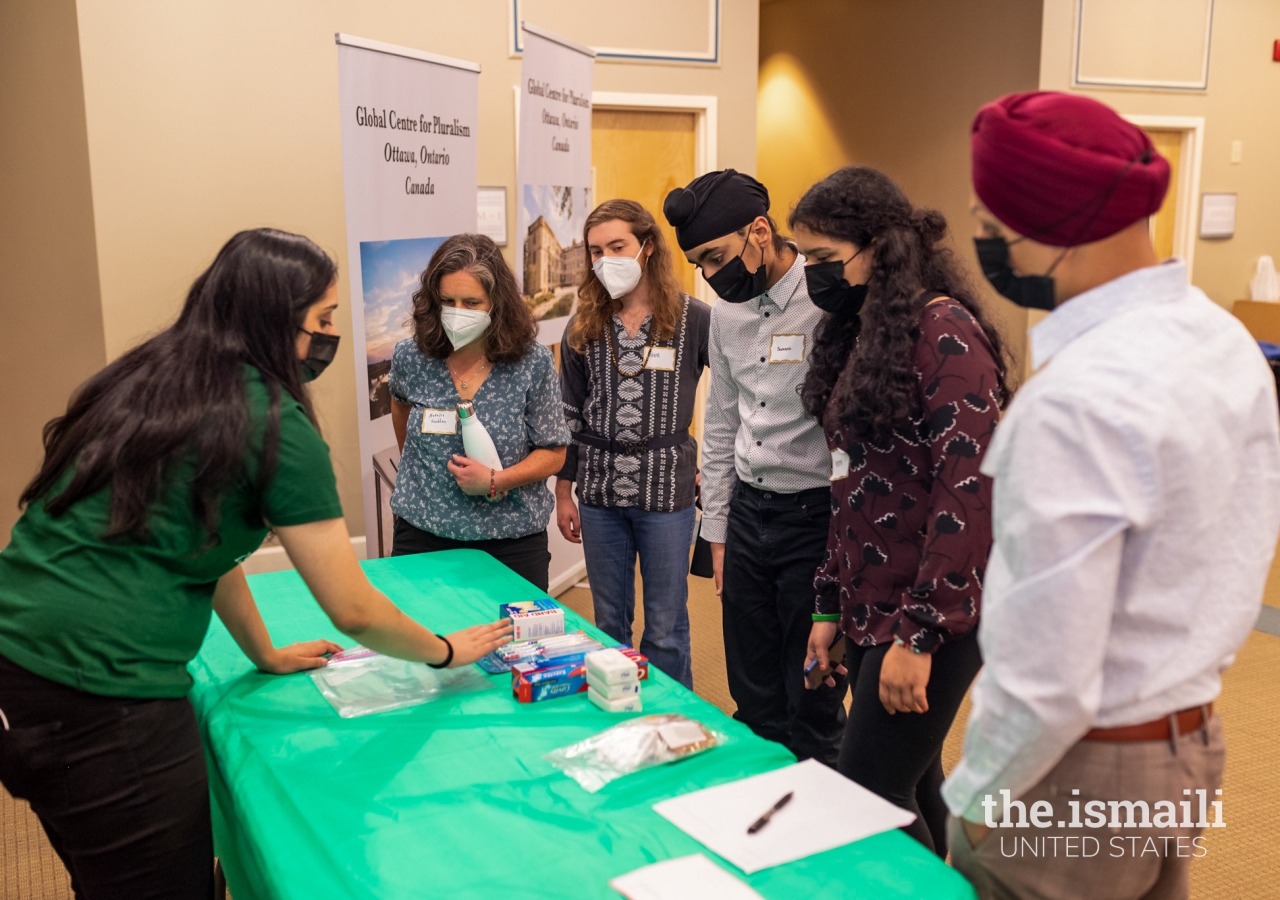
x: 182, y: 394
x: 877, y: 390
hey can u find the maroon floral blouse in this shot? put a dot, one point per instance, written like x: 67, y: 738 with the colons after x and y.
x: 911, y: 524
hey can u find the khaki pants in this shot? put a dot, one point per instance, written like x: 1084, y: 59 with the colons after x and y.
x: 1119, y: 860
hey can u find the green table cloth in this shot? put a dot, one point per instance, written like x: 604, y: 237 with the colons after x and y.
x: 452, y: 799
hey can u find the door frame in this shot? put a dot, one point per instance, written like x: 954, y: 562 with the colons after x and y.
x: 1185, y: 233
x: 705, y: 153
x: 705, y: 159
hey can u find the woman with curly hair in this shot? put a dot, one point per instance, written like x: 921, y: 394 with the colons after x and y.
x: 474, y: 339
x: 908, y: 379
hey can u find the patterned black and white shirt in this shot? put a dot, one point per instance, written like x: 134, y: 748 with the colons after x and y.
x: 597, y: 398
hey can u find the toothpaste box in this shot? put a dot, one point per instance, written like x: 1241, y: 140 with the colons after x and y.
x: 532, y: 683
x: 533, y: 618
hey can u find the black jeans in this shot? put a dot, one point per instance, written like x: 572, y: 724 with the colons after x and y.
x: 527, y: 556
x: 899, y: 756
x: 775, y: 543
x: 119, y: 785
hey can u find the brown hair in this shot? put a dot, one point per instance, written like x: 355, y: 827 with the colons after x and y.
x: 596, y: 307
x: 513, y: 329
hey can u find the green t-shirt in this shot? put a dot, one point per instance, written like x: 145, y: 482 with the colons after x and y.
x: 122, y: 618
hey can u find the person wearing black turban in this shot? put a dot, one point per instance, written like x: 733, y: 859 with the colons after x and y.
x: 766, y: 495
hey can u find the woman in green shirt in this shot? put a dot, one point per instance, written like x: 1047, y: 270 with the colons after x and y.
x: 166, y: 471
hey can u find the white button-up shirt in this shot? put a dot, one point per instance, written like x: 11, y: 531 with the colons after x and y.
x: 1136, y: 509
x: 756, y: 427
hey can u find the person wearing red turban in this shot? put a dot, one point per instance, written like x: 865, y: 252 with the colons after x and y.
x: 1136, y: 508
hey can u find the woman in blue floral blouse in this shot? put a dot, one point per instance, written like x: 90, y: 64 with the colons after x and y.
x: 475, y: 339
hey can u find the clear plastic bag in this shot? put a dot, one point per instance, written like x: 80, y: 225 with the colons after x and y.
x: 631, y: 746
x: 358, y: 682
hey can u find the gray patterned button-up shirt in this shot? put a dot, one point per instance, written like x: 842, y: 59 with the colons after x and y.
x: 756, y: 426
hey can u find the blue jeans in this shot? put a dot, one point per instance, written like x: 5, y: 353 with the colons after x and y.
x: 611, y: 538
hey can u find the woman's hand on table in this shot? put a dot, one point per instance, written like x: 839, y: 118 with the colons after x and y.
x: 473, y: 477
x: 471, y: 644
x: 298, y: 657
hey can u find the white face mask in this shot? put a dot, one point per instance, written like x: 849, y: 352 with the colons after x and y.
x: 618, y: 274
x: 462, y: 326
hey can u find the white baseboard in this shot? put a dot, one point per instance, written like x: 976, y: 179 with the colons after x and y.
x: 567, y: 579
x: 274, y: 559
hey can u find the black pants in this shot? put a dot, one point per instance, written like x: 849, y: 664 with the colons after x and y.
x: 527, y: 556
x: 899, y: 756
x: 775, y: 543
x: 119, y: 785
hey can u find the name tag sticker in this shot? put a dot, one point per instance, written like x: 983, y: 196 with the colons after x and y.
x: 786, y: 348
x: 661, y: 358
x: 839, y: 465
x: 439, y: 421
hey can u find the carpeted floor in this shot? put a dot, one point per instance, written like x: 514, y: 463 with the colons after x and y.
x: 1243, y: 859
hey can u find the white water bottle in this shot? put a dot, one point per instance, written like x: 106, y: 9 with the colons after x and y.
x: 475, y: 439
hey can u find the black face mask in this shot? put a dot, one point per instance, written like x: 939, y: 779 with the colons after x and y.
x: 1028, y: 291
x: 829, y: 290
x: 733, y: 283
x: 324, y: 347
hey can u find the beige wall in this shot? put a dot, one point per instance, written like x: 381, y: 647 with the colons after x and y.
x: 1242, y: 103
x: 892, y: 85
x: 208, y: 117
x: 51, y: 338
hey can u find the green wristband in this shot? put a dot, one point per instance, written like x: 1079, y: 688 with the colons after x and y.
x: 826, y: 617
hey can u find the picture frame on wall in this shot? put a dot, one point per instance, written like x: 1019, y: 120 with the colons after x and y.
x: 491, y: 213
x: 1217, y: 216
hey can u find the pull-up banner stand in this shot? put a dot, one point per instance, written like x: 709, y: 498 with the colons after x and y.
x: 553, y: 197
x: 553, y: 175
x: 409, y: 172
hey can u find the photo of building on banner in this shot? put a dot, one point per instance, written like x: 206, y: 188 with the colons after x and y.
x: 555, y: 259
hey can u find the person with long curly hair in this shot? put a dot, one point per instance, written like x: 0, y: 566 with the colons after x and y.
x: 907, y: 378
x: 475, y: 339
x: 630, y: 363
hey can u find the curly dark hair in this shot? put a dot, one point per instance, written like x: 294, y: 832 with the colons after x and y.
x: 878, y: 389
x: 513, y: 330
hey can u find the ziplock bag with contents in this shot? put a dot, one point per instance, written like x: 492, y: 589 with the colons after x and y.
x: 634, y: 745
x: 358, y: 682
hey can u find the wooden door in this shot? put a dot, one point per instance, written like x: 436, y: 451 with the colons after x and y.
x: 642, y: 155
x: 1164, y: 222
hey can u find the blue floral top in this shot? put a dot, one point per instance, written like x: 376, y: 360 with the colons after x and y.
x: 518, y: 404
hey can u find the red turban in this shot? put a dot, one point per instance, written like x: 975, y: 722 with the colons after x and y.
x: 1063, y: 169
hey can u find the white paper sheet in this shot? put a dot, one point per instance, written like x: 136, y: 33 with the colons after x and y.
x: 687, y: 878
x: 828, y: 810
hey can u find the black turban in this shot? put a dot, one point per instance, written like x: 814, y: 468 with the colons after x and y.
x: 714, y: 205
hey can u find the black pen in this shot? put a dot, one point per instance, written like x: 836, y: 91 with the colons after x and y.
x: 764, y: 820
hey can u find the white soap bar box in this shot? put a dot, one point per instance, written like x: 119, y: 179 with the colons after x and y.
x: 630, y: 703
x: 612, y: 691
x: 612, y: 666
